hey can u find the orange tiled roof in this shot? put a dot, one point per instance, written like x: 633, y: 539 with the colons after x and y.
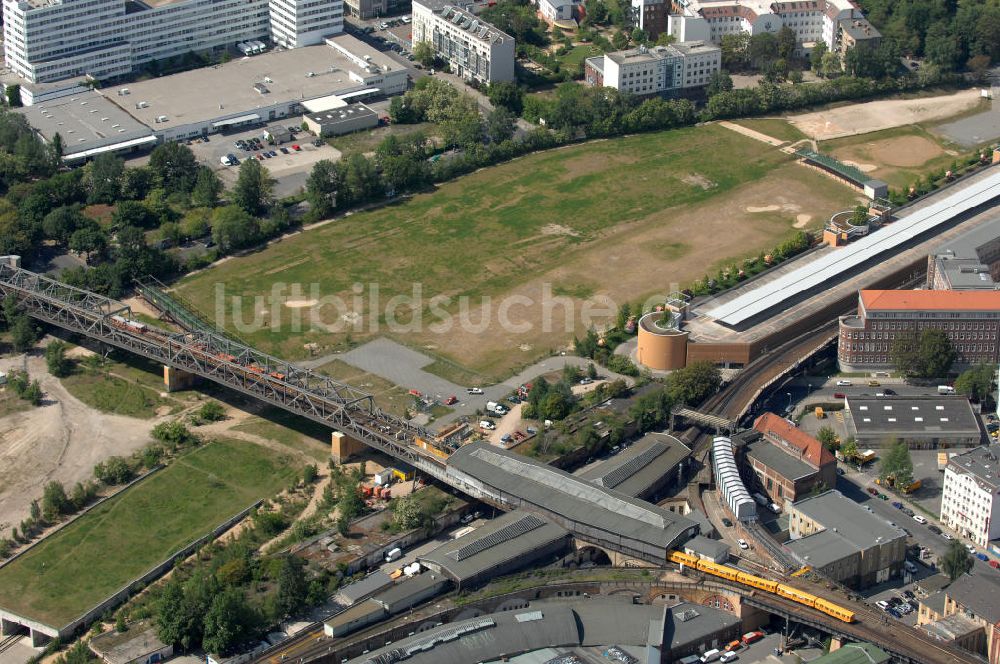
x: 930, y: 300
x: 811, y: 450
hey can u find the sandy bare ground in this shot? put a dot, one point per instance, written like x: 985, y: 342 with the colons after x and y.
x: 60, y: 440
x: 876, y: 115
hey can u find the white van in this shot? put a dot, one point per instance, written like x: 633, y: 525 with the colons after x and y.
x: 711, y: 656
x: 486, y: 424
x: 910, y: 566
x: 394, y: 554
x: 946, y: 389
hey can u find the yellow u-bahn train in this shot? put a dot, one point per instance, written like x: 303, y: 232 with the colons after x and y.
x: 767, y: 585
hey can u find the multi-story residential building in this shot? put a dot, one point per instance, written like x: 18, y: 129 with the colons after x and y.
x: 844, y: 541
x: 655, y: 71
x: 971, y: 319
x: 51, y: 40
x: 969, y: 262
x: 473, y: 48
x: 966, y: 614
x: 788, y: 462
x: 970, y: 501
x: 838, y: 23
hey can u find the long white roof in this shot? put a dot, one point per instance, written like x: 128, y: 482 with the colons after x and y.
x: 828, y: 267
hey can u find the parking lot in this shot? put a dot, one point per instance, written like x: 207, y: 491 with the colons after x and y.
x: 289, y: 168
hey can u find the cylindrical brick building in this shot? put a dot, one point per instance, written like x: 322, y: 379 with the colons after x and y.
x: 661, y: 348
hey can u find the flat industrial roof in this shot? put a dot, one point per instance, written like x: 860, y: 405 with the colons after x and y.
x: 847, y: 519
x: 508, y: 537
x: 202, y: 95
x: 575, y: 500
x: 912, y: 416
x: 87, y: 121
x: 830, y: 265
x: 778, y: 460
x: 641, y: 465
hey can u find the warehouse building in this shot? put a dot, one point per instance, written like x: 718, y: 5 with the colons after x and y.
x: 474, y: 49
x: 788, y: 461
x: 652, y: 464
x: 262, y: 90
x: 506, y: 544
x: 353, y: 593
x: 89, y: 124
x: 970, y: 318
x: 343, y: 120
x: 715, y: 551
x: 844, y: 541
x: 970, y: 500
x: 630, y: 530
x: 927, y: 422
x: 52, y: 40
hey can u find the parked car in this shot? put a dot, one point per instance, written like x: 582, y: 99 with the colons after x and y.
x: 586, y: 381
x: 947, y: 536
x: 898, y: 505
x: 934, y: 529
x: 908, y: 594
x: 743, y: 544
x: 983, y: 557
x: 888, y: 392
x: 882, y: 604
x: 486, y: 424
x: 451, y: 400
x: 726, y: 522
x: 907, y: 511
x: 872, y: 491
x: 971, y: 548
x: 920, y: 519
x: 882, y: 496
x: 296, y: 147
x: 839, y: 395
x: 874, y: 383
x: 894, y: 613
x: 284, y: 151
x: 995, y: 564
x: 841, y: 471
x: 844, y: 383
x: 474, y: 390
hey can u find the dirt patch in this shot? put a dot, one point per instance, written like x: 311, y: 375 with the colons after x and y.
x: 864, y: 168
x: 905, y: 151
x: 764, y: 208
x: 876, y: 115
x: 802, y: 220
x: 300, y: 304
x: 696, y: 180
x: 558, y: 229
x: 60, y: 440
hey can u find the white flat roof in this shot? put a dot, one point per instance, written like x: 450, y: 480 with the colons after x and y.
x: 124, y: 145
x: 829, y: 266
x: 327, y: 103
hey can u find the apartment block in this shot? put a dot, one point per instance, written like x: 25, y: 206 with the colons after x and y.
x: 655, y: 71
x: 970, y: 318
x: 51, y: 40
x: 971, y: 497
x: 474, y: 49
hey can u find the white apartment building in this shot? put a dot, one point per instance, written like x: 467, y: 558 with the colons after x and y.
x: 474, y: 49
x: 658, y: 70
x: 51, y: 40
x: 812, y: 20
x: 971, y: 497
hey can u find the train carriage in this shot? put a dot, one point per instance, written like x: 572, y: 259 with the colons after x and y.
x: 796, y: 595
x: 757, y: 582
x: 722, y: 571
x: 835, y: 610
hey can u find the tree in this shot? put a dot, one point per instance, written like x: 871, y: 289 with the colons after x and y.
x: 105, y: 178
x: 849, y: 450
x: 507, y: 94
x: 115, y: 470
x: 89, y: 241
x: 233, y: 227
x: 956, y: 561
x: 13, y: 93
x: 292, y: 586
x: 62, y: 222
x: 254, y: 188
x: 173, y: 434
x: 500, y: 124
x: 694, y: 383
x: 619, y: 40
x: 719, y: 81
x: 174, y: 167
x: 322, y: 187
x: 23, y: 333
x: 207, y: 188
x: 831, y: 65
x: 229, y: 622
x: 591, y: 371
x: 55, y: 358
x: 976, y: 382
x: 132, y: 213
x: 735, y: 51
x: 827, y: 436
x: 360, y: 179
x: 787, y: 41
x: 136, y: 183
x: 763, y: 49
x: 54, y: 501
x: 816, y: 56
x: 423, y: 52
x: 929, y: 355
x: 212, y: 411
x: 897, y: 464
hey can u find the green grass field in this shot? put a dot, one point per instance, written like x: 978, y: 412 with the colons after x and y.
x: 119, y: 540
x: 577, y: 54
x: 668, y: 204
x: 293, y: 431
x: 773, y: 127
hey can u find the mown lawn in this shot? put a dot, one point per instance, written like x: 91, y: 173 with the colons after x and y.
x: 118, y: 541
x: 773, y: 127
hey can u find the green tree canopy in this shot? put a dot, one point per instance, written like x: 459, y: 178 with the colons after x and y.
x: 956, y: 561
x: 929, y: 355
x: 174, y: 167
x: 254, y: 190
x: 897, y: 464
x: 976, y: 382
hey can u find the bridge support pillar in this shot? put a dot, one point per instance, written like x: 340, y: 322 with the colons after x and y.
x: 836, y: 643
x: 39, y: 640
x: 176, y: 379
x: 343, y: 447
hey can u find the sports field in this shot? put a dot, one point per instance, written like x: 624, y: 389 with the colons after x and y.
x: 119, y: 540
x: 899, y: 156
x: 622, y: 219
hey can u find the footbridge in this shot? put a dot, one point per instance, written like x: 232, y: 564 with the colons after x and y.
x: 205, y: 353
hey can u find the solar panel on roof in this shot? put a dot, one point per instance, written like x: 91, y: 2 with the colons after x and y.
x: 829, y: 266
x: 525, y: 524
